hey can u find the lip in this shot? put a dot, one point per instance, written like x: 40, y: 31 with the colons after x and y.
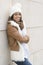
x: 17, y: 19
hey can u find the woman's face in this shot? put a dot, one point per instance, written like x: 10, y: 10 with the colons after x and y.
x: 17, y: 16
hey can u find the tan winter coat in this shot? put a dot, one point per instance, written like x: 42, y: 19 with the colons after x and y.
x: 13, y: 35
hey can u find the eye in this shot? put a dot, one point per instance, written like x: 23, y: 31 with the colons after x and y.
x: 19, y: 13
x: 15, y: 14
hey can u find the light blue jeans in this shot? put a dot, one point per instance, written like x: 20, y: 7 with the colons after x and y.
x: 26, y: 62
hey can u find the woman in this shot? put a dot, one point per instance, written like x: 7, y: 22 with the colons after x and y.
x: 17, y: 37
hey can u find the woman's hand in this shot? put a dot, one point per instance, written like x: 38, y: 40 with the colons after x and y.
x: 21, y: 25
x: 26, y: 39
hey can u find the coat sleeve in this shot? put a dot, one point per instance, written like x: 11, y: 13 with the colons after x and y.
x: 14, y: 33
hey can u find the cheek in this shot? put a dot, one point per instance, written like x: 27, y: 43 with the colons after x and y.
x: 14, y: 17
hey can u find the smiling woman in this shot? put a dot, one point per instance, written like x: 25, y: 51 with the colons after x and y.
x: 17, y: 37
x: 17, y: 16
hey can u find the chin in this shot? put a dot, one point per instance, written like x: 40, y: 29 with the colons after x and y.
x: 18, y: 21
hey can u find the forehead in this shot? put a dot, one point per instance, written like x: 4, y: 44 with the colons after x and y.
x: 17, y: 13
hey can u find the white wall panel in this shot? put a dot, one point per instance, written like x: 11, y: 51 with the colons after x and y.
x: 36, y: 45
x: 36, y: 18
x: 38, y: 58
x: 4, y: 8
x: 36, y: 39
x: 4, y: 53
x: 38, y: 1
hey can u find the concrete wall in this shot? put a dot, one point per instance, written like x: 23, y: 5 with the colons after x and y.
x: 33, y: 16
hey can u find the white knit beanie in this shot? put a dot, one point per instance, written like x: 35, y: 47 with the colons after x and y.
x: 16, y: 8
